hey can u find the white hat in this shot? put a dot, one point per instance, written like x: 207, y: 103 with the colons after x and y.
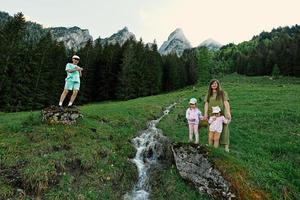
x: 193, y: 101
x: 76, y: 57
x: 216, y: 109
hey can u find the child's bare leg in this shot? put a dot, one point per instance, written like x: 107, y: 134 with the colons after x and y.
x: 75, y: 92
x: 196, y: 132
x: 210, y: 138
x: 216, y: 139
x: 63, y: 96
x: 191, y: 129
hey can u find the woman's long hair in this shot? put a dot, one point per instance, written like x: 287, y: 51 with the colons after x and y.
x: 220, y: 92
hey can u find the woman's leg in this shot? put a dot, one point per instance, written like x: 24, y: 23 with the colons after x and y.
x: 226, y: 147
x: 196, y: 132
x: 216, y: 139
x: 191, y: 129
x: 224, y: 140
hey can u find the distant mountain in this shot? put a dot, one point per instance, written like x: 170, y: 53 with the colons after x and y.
x: 211, y: 44
x: 120, y: 37
x: 176, y: 43
x: 73, y: 37
x: 34, y: 32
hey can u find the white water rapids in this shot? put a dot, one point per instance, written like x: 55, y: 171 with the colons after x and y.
x: 144, y: 141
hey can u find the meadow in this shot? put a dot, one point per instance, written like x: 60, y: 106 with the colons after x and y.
x: 91, y: 160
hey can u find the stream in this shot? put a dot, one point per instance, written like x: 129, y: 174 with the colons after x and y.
x: 146, y: 145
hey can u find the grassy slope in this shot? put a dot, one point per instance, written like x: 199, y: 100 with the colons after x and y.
x: 75, y: 162
x: 265, y: 137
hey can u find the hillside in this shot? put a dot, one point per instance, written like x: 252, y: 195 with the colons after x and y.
x: 90, y: 160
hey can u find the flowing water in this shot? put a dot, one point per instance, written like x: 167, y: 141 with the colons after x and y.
x: 145, y: 141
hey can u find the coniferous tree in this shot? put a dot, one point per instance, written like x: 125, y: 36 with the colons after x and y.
x: 205, y: 63
x: 128, y: 77
x: 152, y: 72
x: 189, y: 57
x: 12, y: 59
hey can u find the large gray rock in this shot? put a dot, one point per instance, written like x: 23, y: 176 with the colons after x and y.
x: 57, y: 115
x: 193, y: 165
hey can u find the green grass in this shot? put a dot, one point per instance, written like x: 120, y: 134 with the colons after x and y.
x: 89, y: 160
x: 77, y: 162
x: 265, y: 136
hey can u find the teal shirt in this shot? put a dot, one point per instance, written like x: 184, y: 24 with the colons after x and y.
x: 73, y: 76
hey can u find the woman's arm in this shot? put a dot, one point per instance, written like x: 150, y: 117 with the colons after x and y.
x: 205, y: 110
x: 226, y: 120
x: 227, y: 107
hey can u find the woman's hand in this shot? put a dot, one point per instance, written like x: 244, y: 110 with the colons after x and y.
x: 228, y: 116
x: 205, y: 117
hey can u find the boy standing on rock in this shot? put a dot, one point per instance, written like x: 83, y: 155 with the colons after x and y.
x: 72, y: 80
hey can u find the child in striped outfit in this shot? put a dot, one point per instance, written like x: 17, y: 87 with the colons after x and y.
x: 193, y: 115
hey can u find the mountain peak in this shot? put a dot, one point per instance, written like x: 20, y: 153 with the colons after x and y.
x: 211, y: 44
x: 120, y: 37
x: 73, y: 37
x: 125, y: 29
x: 177, y: 33
x: 176, y: 42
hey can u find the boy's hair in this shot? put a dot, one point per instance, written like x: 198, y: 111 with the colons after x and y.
x: 220, y: 92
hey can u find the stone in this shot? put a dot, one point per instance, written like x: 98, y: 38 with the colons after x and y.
x: 58, y: 115
x: 193, y: 165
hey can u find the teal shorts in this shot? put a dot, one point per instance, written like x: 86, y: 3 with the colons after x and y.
x: 71, y: 85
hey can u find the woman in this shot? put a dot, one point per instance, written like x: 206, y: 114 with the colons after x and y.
x: 217, y: 97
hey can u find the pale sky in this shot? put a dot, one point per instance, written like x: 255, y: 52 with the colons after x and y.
x: 223, y: 20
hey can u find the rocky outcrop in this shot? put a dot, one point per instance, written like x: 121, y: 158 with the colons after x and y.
x: 176, y: 43
x: 211, y: 44
x: 120, y: 37
x: 73, y: 38
x: 57, y: 115
x: 193, y: 165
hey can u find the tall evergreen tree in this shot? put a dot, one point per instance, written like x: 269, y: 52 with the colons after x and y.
x: 12, y: 55
x: 205, y: 62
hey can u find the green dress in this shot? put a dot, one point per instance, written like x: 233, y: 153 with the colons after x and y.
x: 224, y: 139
